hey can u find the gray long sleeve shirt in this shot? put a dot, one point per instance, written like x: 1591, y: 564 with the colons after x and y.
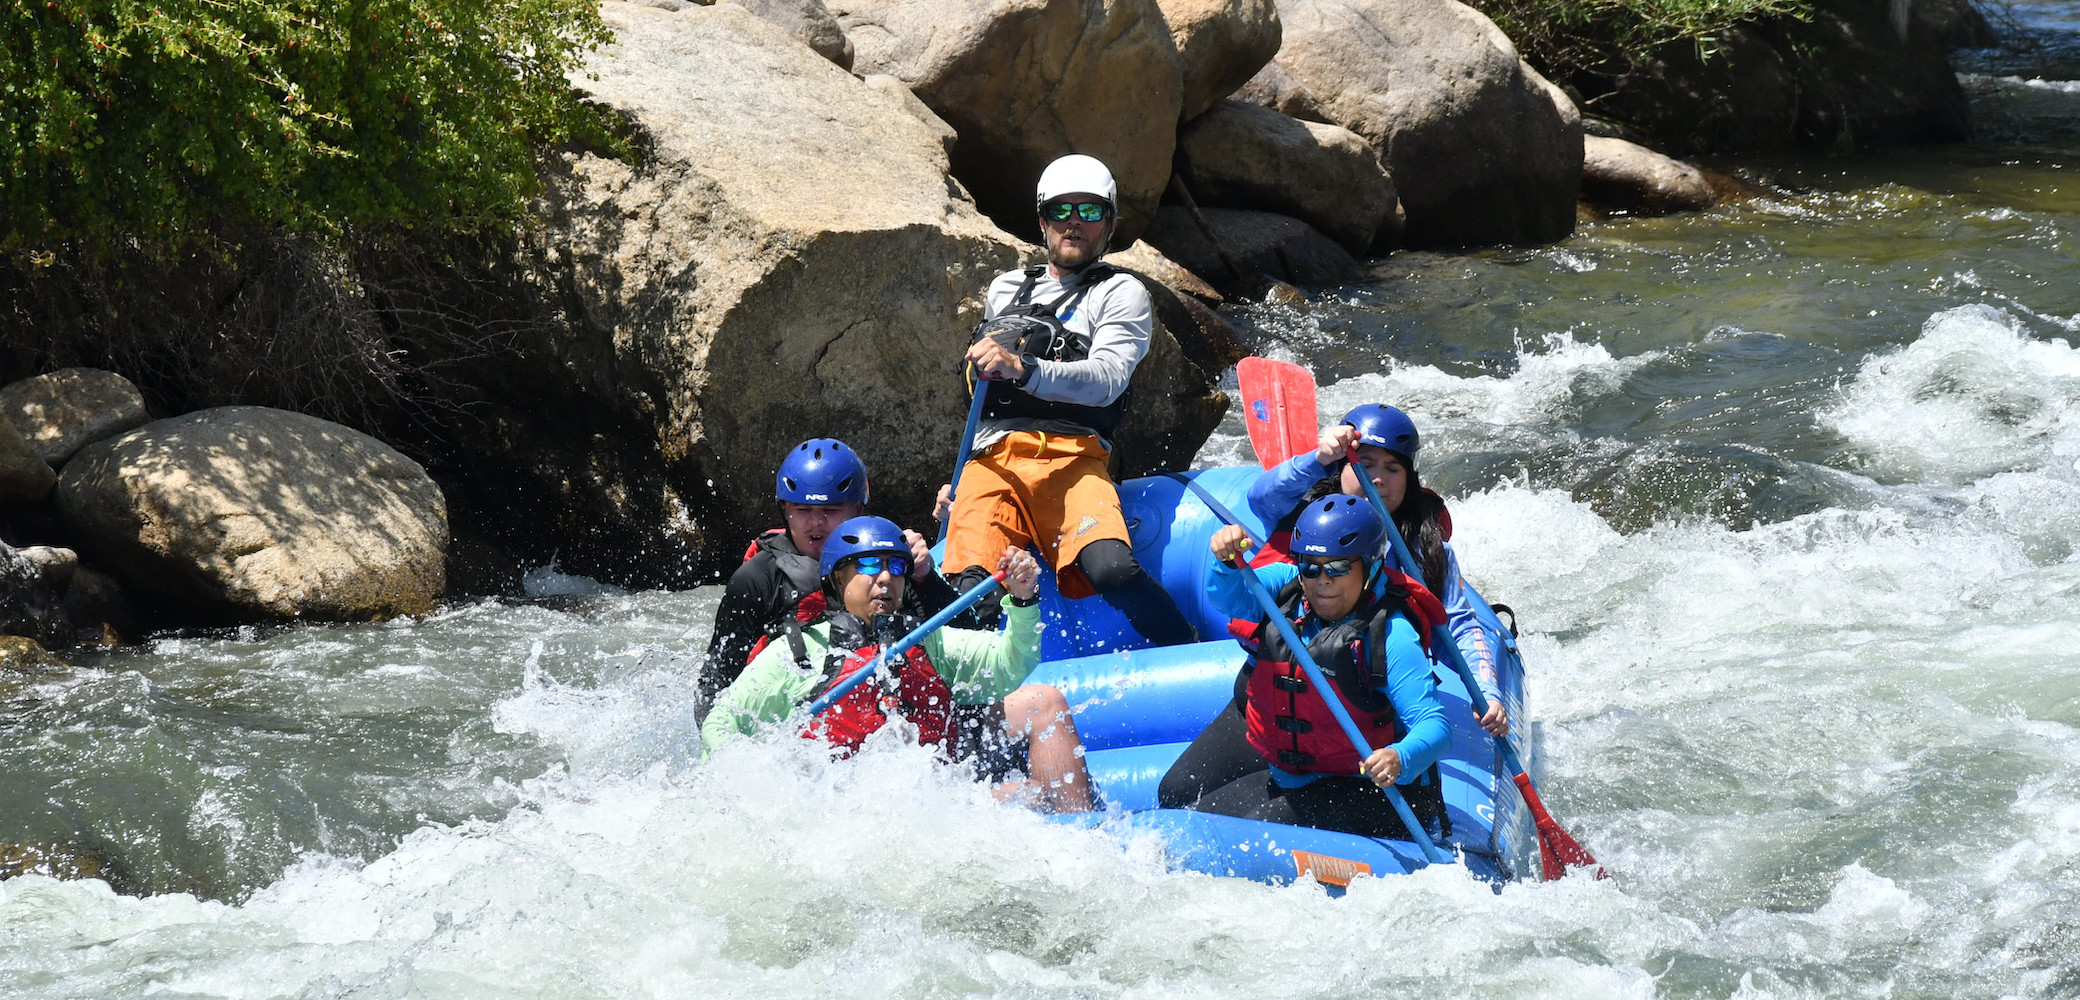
x: 1115, y: 314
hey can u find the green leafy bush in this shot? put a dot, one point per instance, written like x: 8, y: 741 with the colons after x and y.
x: 157, y: 121
x: 1562, y: 37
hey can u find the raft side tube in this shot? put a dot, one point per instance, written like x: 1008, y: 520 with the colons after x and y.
x: 1164, y: 695
x: 1266, y: 852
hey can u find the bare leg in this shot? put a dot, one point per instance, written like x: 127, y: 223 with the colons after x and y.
x: 1054, y: 750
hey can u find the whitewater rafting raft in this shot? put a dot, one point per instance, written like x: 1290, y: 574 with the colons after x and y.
x: 1139, y: 707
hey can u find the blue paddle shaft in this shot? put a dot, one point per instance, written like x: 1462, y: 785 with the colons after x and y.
x: 902, y: 646
x: 1343, y: 718
x: 981, y: 390
x: 1440, y: 637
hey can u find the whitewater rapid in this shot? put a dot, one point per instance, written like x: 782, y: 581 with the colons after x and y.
x: 1828, y: 754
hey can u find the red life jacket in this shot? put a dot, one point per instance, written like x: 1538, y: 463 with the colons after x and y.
x: 912, y: 686
x: 1287, y: 721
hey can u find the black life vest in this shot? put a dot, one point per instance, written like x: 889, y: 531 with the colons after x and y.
x: 800, y: 570
x: 802, y: 577
x: 1036, y: 328
x: 911, y: 686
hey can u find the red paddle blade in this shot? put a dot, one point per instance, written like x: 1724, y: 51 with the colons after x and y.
x: 1557, y: 852
x: 1277, y: 407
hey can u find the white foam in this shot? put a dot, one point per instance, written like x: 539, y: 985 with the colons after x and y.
x: 552, y: 581
x: 1973, y: 395
x: 2020, y: 83
x: 1547, y: 387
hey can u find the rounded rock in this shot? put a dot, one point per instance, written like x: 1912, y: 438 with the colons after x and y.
x: 60, y: 412
x: 246, y: 512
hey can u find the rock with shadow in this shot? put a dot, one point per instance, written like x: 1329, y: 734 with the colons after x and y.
x: 1624, y: 177
x: 1025, y: 81
x: 31, y: 605
x: 24, y: 476
x: 60, y: 412
x: 789, y: 257
x: 247, y: 513
x: 1242, y: 155
x: 1248, y: 250
x: 1482, y: 149
x: 807, y: 20
x: 1220, y: 45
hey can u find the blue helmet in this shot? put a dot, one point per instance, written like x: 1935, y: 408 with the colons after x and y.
x: 1383, y: 426
x: 864, y: 535
x: 1334, y: 526
x: 821, y: 471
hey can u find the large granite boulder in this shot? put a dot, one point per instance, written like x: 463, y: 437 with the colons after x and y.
x: 1220, y: 45
x: 1481, y: 148
x: 24, y: 475
x: 245, y: 512
x: 1026, y: 81
x: 63, y: 411
x: 1249, y: 156
x: 809, y: 21
x: 1258, y: 245
x: 788, y: 259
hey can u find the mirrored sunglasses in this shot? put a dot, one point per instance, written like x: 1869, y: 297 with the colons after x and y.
x: 1331, y: 569
x: 1088, y: 211
x: 873, y: 565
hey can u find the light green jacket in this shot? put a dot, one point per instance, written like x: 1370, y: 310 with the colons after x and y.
x: 980, y: 667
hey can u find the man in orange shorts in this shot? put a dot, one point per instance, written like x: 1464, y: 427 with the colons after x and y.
x: 1057, y: 352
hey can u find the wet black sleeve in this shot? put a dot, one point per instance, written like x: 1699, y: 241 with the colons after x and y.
x: 750, y: 606
x: 932, y: 594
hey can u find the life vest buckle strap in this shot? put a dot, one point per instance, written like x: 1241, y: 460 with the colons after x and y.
x: 1295, y: 759
x: 1289, y: 684
x: 1293, y: 725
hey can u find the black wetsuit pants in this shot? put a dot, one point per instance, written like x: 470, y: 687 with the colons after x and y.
x: 1221, y: 773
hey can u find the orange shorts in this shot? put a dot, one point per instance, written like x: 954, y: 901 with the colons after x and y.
x: 1045, y: 491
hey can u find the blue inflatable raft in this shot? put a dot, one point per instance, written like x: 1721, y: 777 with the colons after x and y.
x: 1139, y: 707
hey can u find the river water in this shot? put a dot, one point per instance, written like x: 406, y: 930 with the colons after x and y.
x: 1786, y: 493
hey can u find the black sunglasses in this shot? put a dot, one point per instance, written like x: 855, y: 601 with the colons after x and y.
x: 1331, y: 569
x: 1088, y: 211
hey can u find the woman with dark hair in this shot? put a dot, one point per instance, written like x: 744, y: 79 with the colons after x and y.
x: 1387, y: 444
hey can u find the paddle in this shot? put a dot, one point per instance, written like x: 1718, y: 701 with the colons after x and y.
x: 1277, y: 408
x: 1557, y: 851
x: 903, y: 645
x: 967, y: 448
x: 1350, y: 729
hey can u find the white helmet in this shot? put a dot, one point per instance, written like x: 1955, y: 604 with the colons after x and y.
x: 1077, y: 174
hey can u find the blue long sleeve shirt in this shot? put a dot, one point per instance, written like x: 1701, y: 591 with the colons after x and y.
x: 1279, y: 489
x: 1424, y: 736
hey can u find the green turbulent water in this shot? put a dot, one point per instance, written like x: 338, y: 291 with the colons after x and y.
x: 1786, y: 493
